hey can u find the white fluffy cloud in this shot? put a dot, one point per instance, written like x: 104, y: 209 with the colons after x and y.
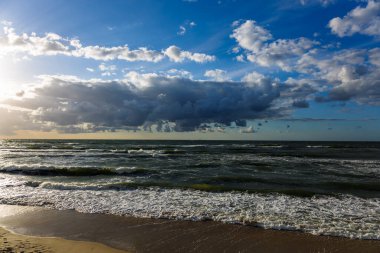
x: 349, y: 74
x: 107, y: 70
x: 217, y: 75
x: 252, y: 77
x: 363, y: 20
x: 360, y: 83
x: 346, y: 74
x: 264, y: 51
x: 178, y: 73
x: 118, y: 53
x: 176, y: 54
x: 54, y: 44
x: 69, y: 103
x: 49, y: 44
x: 250, y: 36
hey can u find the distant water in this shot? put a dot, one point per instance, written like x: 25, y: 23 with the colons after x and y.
x: 329, y: 188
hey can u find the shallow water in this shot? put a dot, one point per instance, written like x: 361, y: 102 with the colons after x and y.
x: 330, y: 188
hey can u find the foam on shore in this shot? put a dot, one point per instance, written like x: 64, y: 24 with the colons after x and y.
x: 344, y: 215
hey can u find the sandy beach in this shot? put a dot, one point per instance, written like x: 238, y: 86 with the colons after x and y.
x: 11, y: 242
x: 152, y: 235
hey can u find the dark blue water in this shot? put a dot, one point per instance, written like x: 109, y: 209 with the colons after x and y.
x: 317, y: 187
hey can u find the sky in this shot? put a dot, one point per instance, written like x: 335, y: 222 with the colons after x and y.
x: 190, y: 69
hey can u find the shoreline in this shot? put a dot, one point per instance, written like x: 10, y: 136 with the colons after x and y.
x: 159, y: 235
x: 13, y: 242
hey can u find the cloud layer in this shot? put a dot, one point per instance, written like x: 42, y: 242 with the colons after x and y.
x: 324, y: 73
x: 274, y: 77
x: 69, y: 103
x: 261, y: 49
x: 54, y: 44
x: 362, y: 20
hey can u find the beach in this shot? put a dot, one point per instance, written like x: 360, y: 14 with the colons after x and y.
x: 91, y: 232
x: 11, y: 242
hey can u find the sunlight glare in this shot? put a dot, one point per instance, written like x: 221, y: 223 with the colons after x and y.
x: 8, y: 81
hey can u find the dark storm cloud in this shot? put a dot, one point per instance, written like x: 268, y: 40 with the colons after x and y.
x: 300, y: 104
x: 147, y: 99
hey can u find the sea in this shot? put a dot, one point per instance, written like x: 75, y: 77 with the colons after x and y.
x: 322, y: 188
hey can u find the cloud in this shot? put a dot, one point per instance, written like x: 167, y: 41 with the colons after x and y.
x: 250, y: 36
x: 374, y: 56
x: 54, y: 44
x: 107, y: 70
x: 6, y: 23
x: 264, y: 51
x: 362, y: 20
x: 71, y: 104
x: 248, y: 130
x: 327, y: 64
x: 179, y: 73
x: 301, y: 104
x: 12, y: 120
x: 187, y: 25
x: 350, y: 74
x: 252, y: 77
x: 50, y: 44
x: 118, y: 53
x: 322, y: 2
x: 299, y: 91
x: 321, y: 73
x: 357, y: 83
x: 177, y: 55
x: 293, y: 92
x: 217, y: 75
x: 182, y: 30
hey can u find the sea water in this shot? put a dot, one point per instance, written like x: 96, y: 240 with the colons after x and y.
x: 323, y: 188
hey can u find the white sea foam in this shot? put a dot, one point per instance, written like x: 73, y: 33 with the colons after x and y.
x: 193, y: 146
x: 346, y: 215
x: 141, y: 151
x: 9, y: 167
x: 271, y: 146
x: 125, y: 169
x: 317, y: 146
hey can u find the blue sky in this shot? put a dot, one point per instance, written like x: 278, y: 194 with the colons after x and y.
x: 228, y: 69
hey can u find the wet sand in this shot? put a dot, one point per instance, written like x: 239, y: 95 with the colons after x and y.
x: 152, y: 235
x: 16, y: 243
